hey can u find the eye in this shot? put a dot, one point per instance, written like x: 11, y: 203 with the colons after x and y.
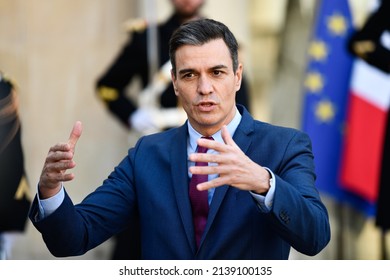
x: 187, y: 75
x: 218, y: 72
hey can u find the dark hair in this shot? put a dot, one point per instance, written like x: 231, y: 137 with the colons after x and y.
x: 199, y: 32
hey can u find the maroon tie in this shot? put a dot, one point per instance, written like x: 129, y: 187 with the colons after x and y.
x: 199, y: 199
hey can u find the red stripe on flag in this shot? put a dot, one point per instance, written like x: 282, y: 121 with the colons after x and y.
x: 363, y: 146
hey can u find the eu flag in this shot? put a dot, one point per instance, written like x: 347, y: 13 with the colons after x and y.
x: 326, y: 87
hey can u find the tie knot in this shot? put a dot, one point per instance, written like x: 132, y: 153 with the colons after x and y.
x: 204, y: 149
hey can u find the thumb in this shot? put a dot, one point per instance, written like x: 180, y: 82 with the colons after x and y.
x: 75, y: 135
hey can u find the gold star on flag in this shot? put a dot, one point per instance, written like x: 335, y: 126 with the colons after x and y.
x: 318, y: 50
x: 337, y: 24
x: 325, y: 111
x: 314, y: 82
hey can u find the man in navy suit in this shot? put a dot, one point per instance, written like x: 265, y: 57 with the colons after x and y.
x: 261, y: 189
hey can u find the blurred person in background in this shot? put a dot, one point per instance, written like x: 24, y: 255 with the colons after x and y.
x: 371, y: 43
x: 14, y: 190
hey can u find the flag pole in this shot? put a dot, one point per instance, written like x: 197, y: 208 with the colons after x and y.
x: 340, y: 235
x: 152, y: 37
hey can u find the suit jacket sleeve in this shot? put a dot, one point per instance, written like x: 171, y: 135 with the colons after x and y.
x: 298, y: 213
x: 75, y: 229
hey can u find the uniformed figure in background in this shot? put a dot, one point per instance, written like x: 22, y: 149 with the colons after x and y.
x: 157, y: 106
x: 15, y: 196
x: 372, y: 44
x: 368, y: 42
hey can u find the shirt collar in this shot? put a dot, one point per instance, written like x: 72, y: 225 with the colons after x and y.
x: 194, y: 135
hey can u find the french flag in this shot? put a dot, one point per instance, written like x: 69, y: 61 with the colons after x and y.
x: 366, y: 123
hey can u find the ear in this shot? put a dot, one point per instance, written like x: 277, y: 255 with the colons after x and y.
x: 174, y: 82
x: 238, y: 76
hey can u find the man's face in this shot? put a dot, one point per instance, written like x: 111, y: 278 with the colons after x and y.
x: 187, y: 8
x: 206, y: 85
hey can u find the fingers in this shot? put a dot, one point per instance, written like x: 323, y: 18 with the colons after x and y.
x: 227, y: 138
x: 75, y: 135
x: 219, y: 147
x: 210, y: 184
x: 54, y: 173
x: 230, y: 163
x: 226, y: 150
x: 59, y: 153
x: 58, y: 161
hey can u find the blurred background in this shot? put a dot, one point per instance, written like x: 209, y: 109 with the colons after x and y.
x: 54, y: 51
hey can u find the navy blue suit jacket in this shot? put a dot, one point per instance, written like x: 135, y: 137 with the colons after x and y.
x: 150, y: 185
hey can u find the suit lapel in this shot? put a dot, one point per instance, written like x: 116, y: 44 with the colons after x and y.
x: 179, y: 174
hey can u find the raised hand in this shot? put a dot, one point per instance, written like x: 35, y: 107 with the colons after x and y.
x: 58, y: 161
x: 233, y: 166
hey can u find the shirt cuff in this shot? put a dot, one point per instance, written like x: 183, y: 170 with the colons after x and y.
x: 265, y: 202
x: 49, y: 205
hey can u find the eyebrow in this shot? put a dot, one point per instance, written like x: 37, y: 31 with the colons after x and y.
x: 220, y: 66
x: 216, y: 67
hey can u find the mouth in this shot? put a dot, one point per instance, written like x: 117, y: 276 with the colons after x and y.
x: 206, y: 106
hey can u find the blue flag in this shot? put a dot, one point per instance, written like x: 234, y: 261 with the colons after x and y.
x: 326, y: 88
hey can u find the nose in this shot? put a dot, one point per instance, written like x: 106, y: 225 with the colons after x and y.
x: 205, y: 85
